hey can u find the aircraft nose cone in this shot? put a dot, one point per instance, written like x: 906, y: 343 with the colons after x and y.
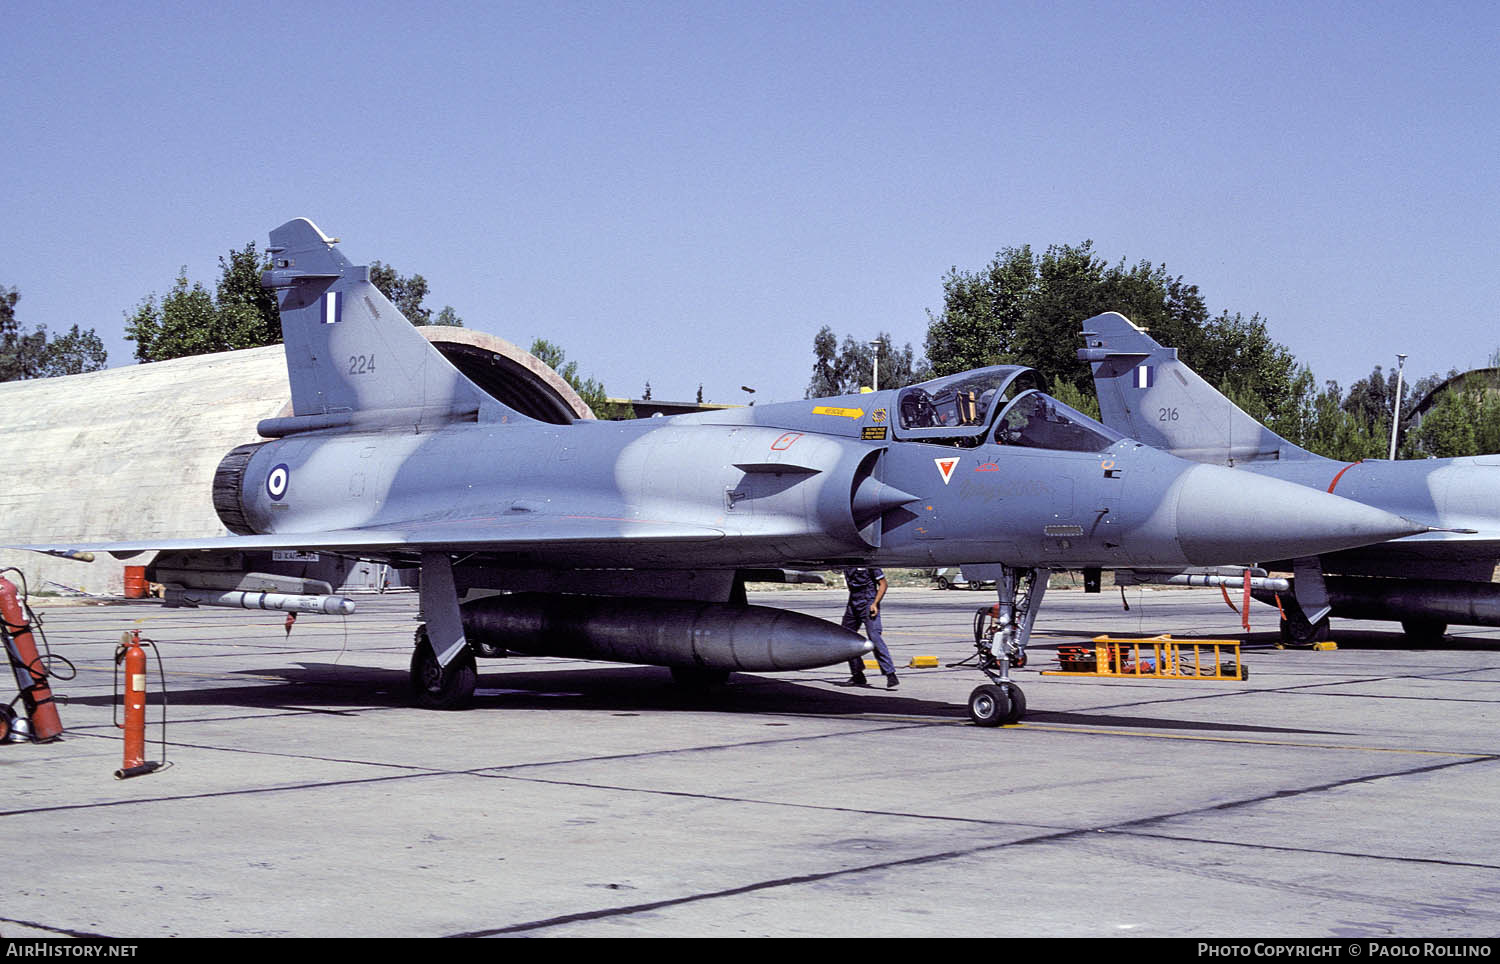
x: 1229, y: 516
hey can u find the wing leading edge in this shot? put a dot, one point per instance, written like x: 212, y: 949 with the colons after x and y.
x: 542, y: 536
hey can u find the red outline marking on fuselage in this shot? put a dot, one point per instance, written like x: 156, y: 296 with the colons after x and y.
x: 1341, y: 474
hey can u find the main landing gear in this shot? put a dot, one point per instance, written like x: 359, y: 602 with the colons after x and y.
x: 438, y: 687
x: 434, y: 685
x: 1296, y: 629
x: 1001, y: 644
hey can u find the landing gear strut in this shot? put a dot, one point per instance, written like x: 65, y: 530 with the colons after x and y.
x: 1305, y: 616
x: 1001, y: 701
x: 438, y: 687
x: 1296, y: 630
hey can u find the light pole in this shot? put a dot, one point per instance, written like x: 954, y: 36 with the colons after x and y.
x: 1396, y: 415
x: 875, y: 374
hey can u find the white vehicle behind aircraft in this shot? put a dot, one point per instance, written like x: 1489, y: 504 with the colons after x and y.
x: 953, y: 577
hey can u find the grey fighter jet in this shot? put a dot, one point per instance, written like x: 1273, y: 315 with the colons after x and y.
x: 631, y: 541
x: 1424, y: 581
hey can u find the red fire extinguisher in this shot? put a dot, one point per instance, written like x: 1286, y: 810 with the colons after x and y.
x: 132, y: 658
x: 26, y: 662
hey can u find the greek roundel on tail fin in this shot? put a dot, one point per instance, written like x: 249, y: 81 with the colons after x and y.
x: 1146, y: 392
x: 353, y: 360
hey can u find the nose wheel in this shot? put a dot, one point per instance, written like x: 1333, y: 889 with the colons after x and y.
x: 1001, y: 633
x: 996, y: 704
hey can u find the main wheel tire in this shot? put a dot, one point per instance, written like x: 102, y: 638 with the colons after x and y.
x: 1299, y: 632
x: 1017, y: 703
x: 989, y: 705
x: 438, y: 687
x: 1424, y: 632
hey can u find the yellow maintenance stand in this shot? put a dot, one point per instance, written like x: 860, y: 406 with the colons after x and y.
x: 1157, y: 657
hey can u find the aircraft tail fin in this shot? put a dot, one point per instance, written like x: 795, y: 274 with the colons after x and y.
x: 1147, y: 393
x: 352, y: 358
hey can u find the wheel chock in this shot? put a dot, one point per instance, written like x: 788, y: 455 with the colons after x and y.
x: 917, y: 662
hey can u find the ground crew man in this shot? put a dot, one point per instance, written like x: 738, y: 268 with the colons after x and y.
x: 867, y: 587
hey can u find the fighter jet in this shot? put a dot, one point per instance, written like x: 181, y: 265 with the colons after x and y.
x: 632, y: 540
x: 1424, y: 581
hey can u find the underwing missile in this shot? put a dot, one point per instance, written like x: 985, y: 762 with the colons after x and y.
x: 278, y: 601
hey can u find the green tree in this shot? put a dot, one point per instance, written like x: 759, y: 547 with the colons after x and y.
x: 185, y: 323
x: 191, y: 321
x: 1463, y: 421
x: 1237, y: 354
x: 242, y: 314
x: 407, y: 294
x: 825, y: 377
x: 250, y: 310
x: 591, y: 391
x: 1026, y: 309
x: 844, y: 370
x: 1337, y: 433
x: 1370, y: 406
x: 78, y: 351
x: 1449, y: 429
x: 1070, y: 395
x: 32, y: 354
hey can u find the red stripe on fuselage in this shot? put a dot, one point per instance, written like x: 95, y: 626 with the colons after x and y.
x: 1341, y: 474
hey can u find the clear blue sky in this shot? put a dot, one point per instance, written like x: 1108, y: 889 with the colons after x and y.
x: 686, y: 192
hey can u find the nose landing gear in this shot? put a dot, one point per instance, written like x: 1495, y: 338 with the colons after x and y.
x: 1000, y: 637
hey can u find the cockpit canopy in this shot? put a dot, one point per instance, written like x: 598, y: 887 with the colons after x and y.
x: 961, y: 401
x: 960, y: 410
x: 1037, y: 420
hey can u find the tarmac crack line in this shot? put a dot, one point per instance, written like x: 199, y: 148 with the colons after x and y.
x: 505, y: 771
x: 1213, y: 841
x: 416, y: 772
x: 1303, y: 791
x: 64, y: 932
x: 949, y: 855
x: 757, y: 802
x: 750, y: 888
x: 1291, y: 690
